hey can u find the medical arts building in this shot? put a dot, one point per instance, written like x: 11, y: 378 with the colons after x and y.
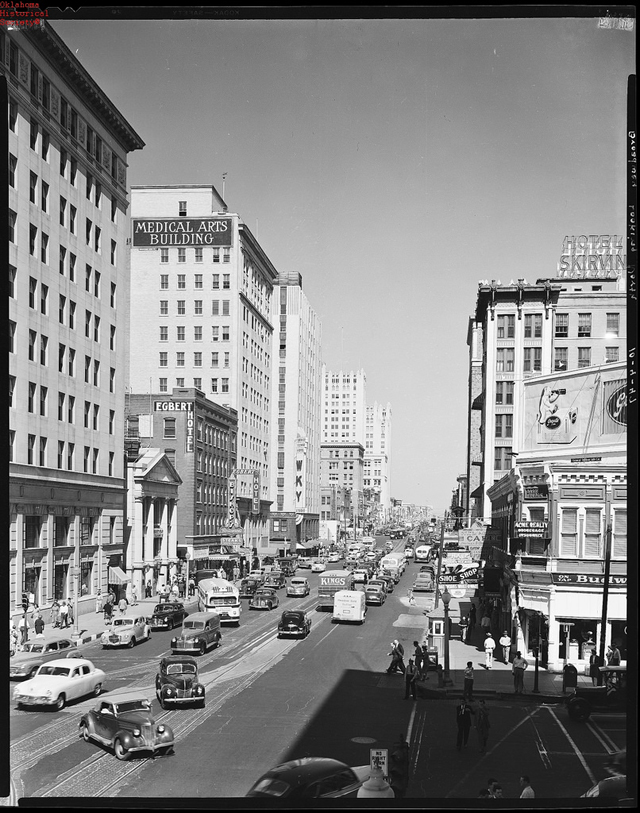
x: 547, y: 465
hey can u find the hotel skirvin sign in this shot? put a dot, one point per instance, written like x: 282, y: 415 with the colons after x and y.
x: 182, y: 231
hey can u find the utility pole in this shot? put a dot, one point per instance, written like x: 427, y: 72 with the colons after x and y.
x: 435, y: 606
x: 605, y: 601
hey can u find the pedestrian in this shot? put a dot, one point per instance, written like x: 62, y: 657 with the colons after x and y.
x: 23, y: 627
x: 518, y: 669
x: 527, y: 790
x: 122, y: 605
x: 107, y: 611
x: 472, y: 618
x: 39, y: 626
x: 613, y: 655
x: 55, y: 613
x: 149, y: 589
x: 425, y: 663
x: 482, y: 726
x: 417, y: 658
x: 410, y: 676
x: 492, y: 784
x: 467, y: 692
x: 175, y: 591
x: 485, y: 620
x: 463, y: 624
x: 594, y: 667
x: 497, y: 792
x: 489, y: 646
x: 134, y: 596
x: 397, y: 658
x: 505, y: 643
x: 236, y: 573
x: 192, y: 587
x: 410, y: 596
x: 64, y: 615
x: 99, y: 602
x: 69, y: 612
x: 14, y: 640
x: 463, y: 721
x: 112, y: 597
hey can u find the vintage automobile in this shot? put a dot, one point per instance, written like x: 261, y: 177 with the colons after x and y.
x: 424, y: 582
x: 59, y: 681
x: 375, y: 593
x: 167, y: 615
x: 126, y: 631
x: 275, y: 580
x: 388, y: 578
x: 294, y: 623
x: 125, y: 724
x: 25, y: 664
x: 264, y: 599
x: 305, y: 561
x: 200, y: 632
x: 298, y: 586
x: 177, y: 682
x: 610, y: 696
x: 334, y: 557
x: 249, y: 586
x: 361, y: 576
x: 310, y: 778
x: 318, y: 567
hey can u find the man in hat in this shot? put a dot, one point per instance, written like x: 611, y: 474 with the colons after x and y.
x: 489, y: 647
x: 505, y: 643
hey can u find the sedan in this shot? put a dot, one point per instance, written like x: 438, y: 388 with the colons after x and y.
x: 26, y: 663
x: 298, y: 586
x: 375, y: 594
x: 126, y: 631
x: 59, y: 681
x: 318, y: 567
x: 360, y: 576
x: 125, y: 724
x: 334, y: 557
x: 168, y: 615
x: 294, y: 623
x: 264, y: 599
x: 310, y: 778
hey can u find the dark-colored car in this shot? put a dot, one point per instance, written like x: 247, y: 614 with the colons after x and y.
x: 125, y: 724
x: 248, y: 587
x: 275, y: 580
x: 177, y: 682
x: 310, y: 778
x: 200, y: 632
x: 388, y: 578
x: 167, y: 615
x: 294, y: 623
x: 25, y: 664
x: 612, y: 695
x: 264, y: 599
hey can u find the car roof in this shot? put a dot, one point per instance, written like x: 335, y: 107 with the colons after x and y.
x: 168, y: 659
x: 68, y: 662
x: 126, y: 696
x: 302, y: 770
x: 203, y: 616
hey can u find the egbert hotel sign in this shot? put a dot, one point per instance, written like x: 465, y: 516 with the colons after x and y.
x: 202, y: 231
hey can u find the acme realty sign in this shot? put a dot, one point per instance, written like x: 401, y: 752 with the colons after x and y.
x: 205, y: 231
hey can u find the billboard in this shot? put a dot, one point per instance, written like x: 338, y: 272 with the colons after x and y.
x: 182, y: 231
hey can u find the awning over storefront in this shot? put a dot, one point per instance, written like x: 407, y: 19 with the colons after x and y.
x: 306, y: 545
x: 588, y: 605
x: 118, y: 576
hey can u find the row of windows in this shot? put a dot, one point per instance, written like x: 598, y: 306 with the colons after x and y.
x: 197, y: 359
x: 38, y: 454
x: 198, y: 282
x: 216, y: 254
x: 181, y: 307
x: 506, y: 325
x: 532, y: 358
x: 582, y: 533
x: 585, y: 325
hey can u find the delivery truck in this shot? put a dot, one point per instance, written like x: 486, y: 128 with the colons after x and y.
x: 349, y: 605
x: 331, y: 581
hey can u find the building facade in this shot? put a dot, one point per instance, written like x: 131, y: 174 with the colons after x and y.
x: 377, y: 461
x: 201, y: 306
x: 344, y: 407
x: 342, y: 475
x: 295, y: 432
x: 68, y: 285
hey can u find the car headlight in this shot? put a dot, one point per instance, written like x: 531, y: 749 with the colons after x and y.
x: 199, y: 689
x: 136, y: 732
x: 169, y: 690
x: 160, y: 729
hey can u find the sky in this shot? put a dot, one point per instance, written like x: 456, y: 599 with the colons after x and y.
x: 394, y: 164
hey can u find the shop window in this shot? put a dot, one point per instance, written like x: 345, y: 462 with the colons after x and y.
x: 60, y: 581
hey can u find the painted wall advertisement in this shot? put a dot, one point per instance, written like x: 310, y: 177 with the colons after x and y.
x: 580, y: 410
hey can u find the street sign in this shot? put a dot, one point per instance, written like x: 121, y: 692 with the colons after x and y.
x: 379, y: 758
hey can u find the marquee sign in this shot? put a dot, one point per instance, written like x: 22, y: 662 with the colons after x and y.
x: 209, y: 231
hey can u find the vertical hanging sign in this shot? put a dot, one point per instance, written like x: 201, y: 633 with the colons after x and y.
x: 231, y: 502
x: 255, y: 502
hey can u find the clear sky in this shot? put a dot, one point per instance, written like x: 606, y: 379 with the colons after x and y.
x: 394, y: 164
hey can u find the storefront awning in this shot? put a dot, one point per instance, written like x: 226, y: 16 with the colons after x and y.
x: 306, y: 545
x: 118, y: 576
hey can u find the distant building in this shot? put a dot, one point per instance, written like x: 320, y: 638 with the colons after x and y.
x: 342, y: 478
x: 344, y: 407
x: 377, y: 461
x: 68, y: 312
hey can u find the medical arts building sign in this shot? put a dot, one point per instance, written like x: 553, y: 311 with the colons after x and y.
x: 182, y: 232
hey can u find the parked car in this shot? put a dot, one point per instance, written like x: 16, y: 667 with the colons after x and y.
x: 275, y: 580
x: 126, y: 725
x: 264, y: 599
x: 59, y: 681
x: 305, y: 561
x: 177, y: 682
x: 166, y: 616
x: 294, y: 623
x: 26, y: 663
x: 310, y: 778
x: 200, y: 632
x: 298, y: 586
x: 318, y: 567
x: 126, y: 631
x: 375, y: 594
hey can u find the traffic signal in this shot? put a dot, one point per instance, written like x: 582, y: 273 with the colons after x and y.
x: 25, y: 601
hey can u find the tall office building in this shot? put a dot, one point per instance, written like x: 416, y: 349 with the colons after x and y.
x: 344, y: 400
x: 201, y: 310
x: 377, y: 461
x: 295, y: 433
x: 68, y: 286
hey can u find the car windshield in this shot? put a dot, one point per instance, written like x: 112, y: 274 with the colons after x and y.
x: 58, y: 671
x: 194, y: 625
x: 33, y: 648
x: 181, y: 669
x: 134, y: 705
x: 292, y: 617
x: 123, y: 622
x: 298, y: 582
x: 271, y: 787
x: 161, y: 608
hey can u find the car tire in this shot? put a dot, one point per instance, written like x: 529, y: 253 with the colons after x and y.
x: 578, y: 709
x: 132, y: 642
x: 200, y: 704
x: 165, y: 752
x: 119, y: 750
x: 60, y: 703
x: 97, y: 689
x: 202, y: 649
x: 163, y: 705
x: 84, y: 732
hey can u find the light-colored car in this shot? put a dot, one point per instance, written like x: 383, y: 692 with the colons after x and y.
x: 126, y: 631
x: 26, y: 663
x: 360, y: 576
x: 59, y: 681
x: 305, y: 561
x: 298, y: 586
x: 318, y: 567
x: 334, y: 557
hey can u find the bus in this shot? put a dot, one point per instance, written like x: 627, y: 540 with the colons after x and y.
x: 421, y: 553
x: 221, y: 596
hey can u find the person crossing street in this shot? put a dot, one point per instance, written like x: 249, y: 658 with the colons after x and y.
x: 489, y: 647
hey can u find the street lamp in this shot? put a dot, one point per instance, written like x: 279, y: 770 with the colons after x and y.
x: 446, y: 598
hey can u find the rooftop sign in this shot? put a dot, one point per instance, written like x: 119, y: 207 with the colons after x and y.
x: 598, y: 256
x: 206, y: 231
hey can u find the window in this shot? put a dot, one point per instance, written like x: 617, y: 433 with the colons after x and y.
x: 225, y: 333
x: 164, y: 282
x: 87, y: 412
x: 592, y: 533
x: 13, y: 111
x: 179, y: 382
x: 44, y: 248
x: 86, y: 458
x: 532, y: 359
x: 96, y: 284
x: 214, y: 359
x: 214, y: 385
x: 12, y: 336
x: 164, y: 360
x: 13, y: 163
x: 197, y: 333
x: 71, y: 448
x: 113, y: 295
x: 169, y: 428
x: 35, y: 75
x: 181, y: 307
x: 197, y: 280
x: 71, y: 362
x: 61, y: 404
x: 44, y: 342
x: 73, y: 169
x: 216, y: 281
x: 31, y: 397
x: 505, y: 359
x: 215, y: 307
x: 164, y: 307
x: 46, y: 143
x: 182, y: 257
x: 33, y: 135
x: 63, y: 159
x: 13, y: 217
x: 197, y: 359
x: 114, y: 252
x: 164, y: 255
x: 97, y: 239
x: 182, y: 208
x: 164, y: 333
x: 226, y: 359
x: 163, y: 385
x: 87, y: 323
x: 504, y: 426
x: 561, y: 359
x: 612, y: 354
x: 33, y: 288
x: 63, y: 210
x: 584, y: 357
x: 584, y: 325
x: 197, y: 307
x: 216, y: 259
x: 33, y: 235
x: 12, y: 386
x: 72, y: 314
x: 226, y: 280
x: 198, y: 258
x: 179, y: 359
x: 88, y: 227
x: 112, y: 379
x: 60, y: 454
x: 562, y: 325
x: 87, y: 369
x: 96, y: 417
x: 215, y: 333
x: 569, y: 532
x: 225, y: 307
x: 197, y: 383
x: 180, y: 333
x: 72, y: 218
x: 46, y: 93
x: 42, y: 457
x: 613, y: 324
x: 502, y: 457
x: 619, y: 536
x: 96, y: 329
x: 506, y: 326
x: 225, y: 385
x: 182, y: 281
